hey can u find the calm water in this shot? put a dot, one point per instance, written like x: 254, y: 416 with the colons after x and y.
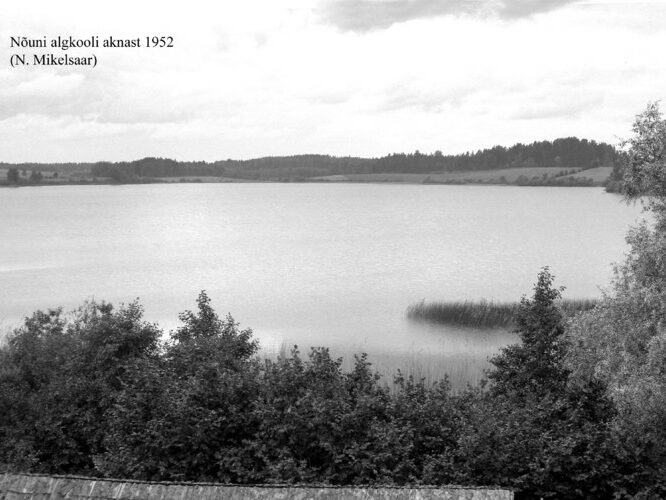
x: 311, y: 264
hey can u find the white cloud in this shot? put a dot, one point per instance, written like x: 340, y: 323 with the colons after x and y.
x: 261, y: 78
x: 369, y: 15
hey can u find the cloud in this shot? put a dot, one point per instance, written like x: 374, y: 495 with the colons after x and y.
x: 102, y: 97
x: 512, y: 9
x: 50, y: 94
x: 428, y: 100
x: 560, y: 108
x: 369, y: 15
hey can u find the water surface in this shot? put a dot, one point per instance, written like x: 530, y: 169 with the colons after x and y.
x: 311, y: 264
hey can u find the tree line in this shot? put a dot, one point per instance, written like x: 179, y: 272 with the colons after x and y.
x: 568, y: 153
x: 16, y: 176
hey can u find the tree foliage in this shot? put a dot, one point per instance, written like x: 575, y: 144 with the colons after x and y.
x: 622, y: 342
x: 12, y: 175
x: 645, y: 163
x: 102, y: 392
x: 568, y: 153
x: 534, y: 365
x: 532, y: 430
x: 57, y: 383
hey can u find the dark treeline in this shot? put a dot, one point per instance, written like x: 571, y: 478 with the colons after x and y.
x: 296, y: 167
x: 50, y: 167
x: 153, y: 168
x: 270, y: 168
x: 569, y: 153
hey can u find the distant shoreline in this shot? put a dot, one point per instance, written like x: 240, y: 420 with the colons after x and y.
x: 489, y: 178
x: 562, y: 162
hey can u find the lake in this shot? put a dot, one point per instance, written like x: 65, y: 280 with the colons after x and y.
x: 310, y: 264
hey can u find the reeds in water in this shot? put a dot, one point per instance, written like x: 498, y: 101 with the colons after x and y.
x: 461, y: 369
x: 483, y: 314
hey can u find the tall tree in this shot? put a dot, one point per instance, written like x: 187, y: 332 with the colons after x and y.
x: 534, y: 365
x: 13, y: 175
x: 623, y: 340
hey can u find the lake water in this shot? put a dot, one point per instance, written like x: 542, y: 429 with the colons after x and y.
x: 309, y: 264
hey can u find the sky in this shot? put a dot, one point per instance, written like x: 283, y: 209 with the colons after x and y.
x: 255, y: 78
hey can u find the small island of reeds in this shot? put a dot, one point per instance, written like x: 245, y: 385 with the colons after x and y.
x: 482, y: 313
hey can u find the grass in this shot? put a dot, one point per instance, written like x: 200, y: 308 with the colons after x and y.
x: 597, y: 174
x: 497, y: 176
x: 482, y: 314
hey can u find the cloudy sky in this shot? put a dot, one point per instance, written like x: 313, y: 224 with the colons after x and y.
x: 255, y: 78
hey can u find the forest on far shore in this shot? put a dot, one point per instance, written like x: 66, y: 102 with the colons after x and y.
x: 562, y: 156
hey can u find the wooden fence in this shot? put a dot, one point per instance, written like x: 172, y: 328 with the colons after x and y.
x: 38, y: 487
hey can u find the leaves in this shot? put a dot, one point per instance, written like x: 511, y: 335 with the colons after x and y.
x: 98, y: 392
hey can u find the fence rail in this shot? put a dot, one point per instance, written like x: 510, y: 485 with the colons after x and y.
x: 41, y: 487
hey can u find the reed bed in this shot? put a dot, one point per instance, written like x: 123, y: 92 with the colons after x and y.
x: 483, y: 313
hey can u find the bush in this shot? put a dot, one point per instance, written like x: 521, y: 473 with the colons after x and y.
x: 60, y: 377
x: 98, y: 393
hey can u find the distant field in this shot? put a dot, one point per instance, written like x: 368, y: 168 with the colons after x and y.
x: 508, y: 175
x: 598, y: 174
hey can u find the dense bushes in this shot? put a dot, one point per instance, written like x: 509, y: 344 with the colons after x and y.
x: 58, y: 382
x: 98, y: 393
x: 622, y: 341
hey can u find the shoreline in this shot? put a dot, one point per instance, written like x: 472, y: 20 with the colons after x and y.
x: 273, y: 181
